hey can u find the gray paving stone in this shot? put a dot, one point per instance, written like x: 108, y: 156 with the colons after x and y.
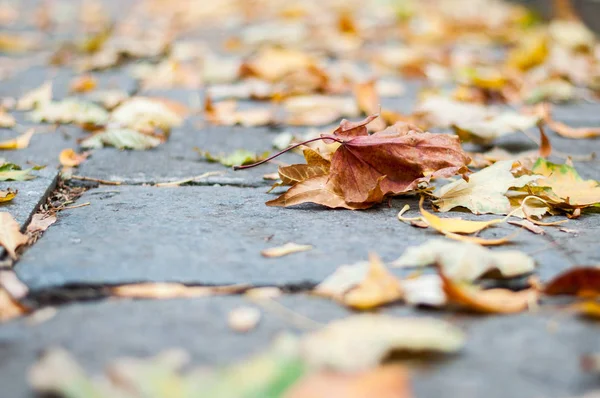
x: 214, y: 235
x: 35, y: 76
x: 177, y: 159
x: 31, y: 194
x: 520, y: 356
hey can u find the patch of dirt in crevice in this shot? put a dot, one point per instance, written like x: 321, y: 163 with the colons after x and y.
x: 89, y: 182
x: 81, y: 292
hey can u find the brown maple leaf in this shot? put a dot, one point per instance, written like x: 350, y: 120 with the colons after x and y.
x: 365, y: 168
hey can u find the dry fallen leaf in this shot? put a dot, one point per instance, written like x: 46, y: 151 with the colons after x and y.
x: 10, y: 234
x: 424, y: 290
x: 578, y: 281
x: 69, y: 158
x: 492, y: 301
x: 243, y: 319
x: 484, y: 192
x: 562, y: 186
x: 464, y: 261
x: 147, y: 114
x: 20, y: 142
x: 365, y: 168
x: 455, y: 225
x: 8, y: 195
x: 573, y: 132
x: 272, y: 63
x: 528, y: 225
x: 363, y: 286
x: 173, y: 290
x: 387, y: 381
x: 40, y: 222
x: 9, y: 309
x: 288, y: 248
x: 360, y: 342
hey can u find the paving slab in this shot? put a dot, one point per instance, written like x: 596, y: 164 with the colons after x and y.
x: 177, y: 159
x: 214, y: 235
x: 519, y: 356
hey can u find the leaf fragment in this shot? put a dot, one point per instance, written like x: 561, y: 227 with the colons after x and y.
x: 69, y: 158
x: 8, y: 195
x: 12, y: 172
x: 40, y: 222
x: 243, y: 319
x: 363, y: 286
x: 10, y: 234
x: 36, y: 97
x: 19, y: 142
x: 147, y: 114
x: 288, y: 248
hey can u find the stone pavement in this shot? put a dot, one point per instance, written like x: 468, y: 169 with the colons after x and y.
x: 211, y: 233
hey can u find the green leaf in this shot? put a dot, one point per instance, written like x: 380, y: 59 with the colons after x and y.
x: 121, y: 139
x: 13, y: 172
x: 236, y: 158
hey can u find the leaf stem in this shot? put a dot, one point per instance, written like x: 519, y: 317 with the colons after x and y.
x: 286, y: 150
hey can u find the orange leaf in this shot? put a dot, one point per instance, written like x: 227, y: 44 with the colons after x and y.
x: 579, y: 281
x: 387, y: 381
x: 490, y: 301
x: 69, y: 158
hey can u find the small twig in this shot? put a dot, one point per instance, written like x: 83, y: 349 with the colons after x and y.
x: 99, y: 181
x: 75, y: 206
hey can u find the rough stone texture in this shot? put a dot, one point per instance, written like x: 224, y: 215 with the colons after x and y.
x: 177, y: 159
x: 520, y: 356
x: 31, y: 194
x: 214, y: 235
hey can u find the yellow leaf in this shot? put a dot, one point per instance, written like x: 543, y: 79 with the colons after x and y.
x: 7, y: 196
x: 455, y: 225
x: 362, y: 286
x: 10, y: 234
x: 69, y: 158
x: 566, y: 188
x: 284, y: 250
x: 20, y: 142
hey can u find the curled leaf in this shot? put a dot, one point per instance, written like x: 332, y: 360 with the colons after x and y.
x: 363, y: 286
x: 492, y: 301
